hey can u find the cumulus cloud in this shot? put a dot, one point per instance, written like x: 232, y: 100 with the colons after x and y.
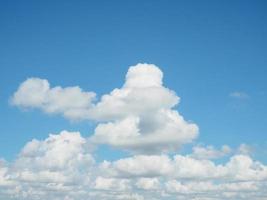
x: 57, y: 164
x: 239, y: 168
x: 141, y: 116
x: 61, y: 167
x: 138, y: 117
x: 57, y: 152
x: 71, y: 102
x: 48, y: 167
x: 142, y: 93
x: 210, y: 152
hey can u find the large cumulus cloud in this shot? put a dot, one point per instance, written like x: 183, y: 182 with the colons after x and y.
x: 138, y: 117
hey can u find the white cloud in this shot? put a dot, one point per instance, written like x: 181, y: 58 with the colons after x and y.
x: 143, y: 166
x: 209, y: 152
x: 148, y: 183
x: 245, y: 149
x: 211, y: 189
x: 239, y: 168
x: 169, y: 132
x: 112, y: 184
x: 57, y: 152
x: 239, y: 95
x: 141, y: 95
x: 139, y: 117
x: 243, y: 168
x: 61, y: 167
x: 71, y: 102
x: 57, y: 164
x: 4, y: 181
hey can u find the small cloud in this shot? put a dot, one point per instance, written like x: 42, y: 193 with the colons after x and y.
x: 210, y: 152
x: 245, y: 149
x: 239, y: 95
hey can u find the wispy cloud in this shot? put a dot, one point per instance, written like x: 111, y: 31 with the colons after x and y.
x: 239, y: 95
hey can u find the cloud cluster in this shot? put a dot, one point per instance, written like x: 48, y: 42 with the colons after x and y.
x: 62, y: 167
x: 140, y: 117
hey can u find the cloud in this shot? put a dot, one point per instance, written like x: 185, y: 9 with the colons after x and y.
x: 62, y: 167
x: 71, y: 102
x: 58, y: 160
x: 239, y: 168
x: 202, y: 188
x: 141, y: 94
x: 168, y: 134
x: 57, y: 152
x: 140, y: 114
x: 239, y: 95
x: 139, y: 117
x: 142, y: 166
x: 210, y: 152
x: 245, y: 149
x: 148, y: 183
x: 111, y: 184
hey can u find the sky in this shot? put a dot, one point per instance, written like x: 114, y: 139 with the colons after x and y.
x: 93, y: 92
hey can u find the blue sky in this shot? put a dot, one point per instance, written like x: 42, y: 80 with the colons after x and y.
x: 213, y: 55
x: 206, y: 50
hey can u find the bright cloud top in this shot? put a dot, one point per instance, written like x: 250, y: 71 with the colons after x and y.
x: 138, y: 117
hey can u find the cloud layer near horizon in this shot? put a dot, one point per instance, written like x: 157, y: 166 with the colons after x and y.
x: 140, y: 117
x: 62, y: 167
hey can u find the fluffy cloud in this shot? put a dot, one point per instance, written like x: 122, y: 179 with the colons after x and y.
x: 139, y: 117
x: 210, y: 152
x: 140, y: 114
x: 141, y: 95
x: 62, y: 167
x: 57, y: 152
x: 71, y: 102
x: 166, y: 131
x: 142, y: 166
x: 54, y: 165
x: 239, y: 168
